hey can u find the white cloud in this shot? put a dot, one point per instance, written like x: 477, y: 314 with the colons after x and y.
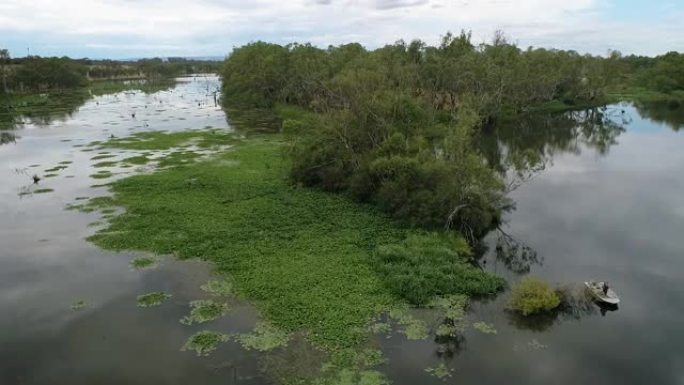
x: 214, y: 26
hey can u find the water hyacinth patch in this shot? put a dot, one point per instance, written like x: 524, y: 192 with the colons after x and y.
x: 263, y: 338
x: 411, y: 327
x: 145, y: 262
x: 219, y: 287
x: 78, y: 305
x: 204, y: 342
x: 152, y: 299
x: 204, y: 310
x: 485, y: 327
x: 440, y: 371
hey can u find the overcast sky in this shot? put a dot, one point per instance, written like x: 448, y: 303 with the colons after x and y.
x: 143, y: 28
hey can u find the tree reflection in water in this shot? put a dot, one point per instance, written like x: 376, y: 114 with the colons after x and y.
x: 522, y: 148
x: 671, y: 113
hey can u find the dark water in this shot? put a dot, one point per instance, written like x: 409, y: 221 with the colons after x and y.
x: 599, y: 195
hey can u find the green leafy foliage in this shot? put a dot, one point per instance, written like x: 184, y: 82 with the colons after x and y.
x: 532, y: 296
x: 145, y: 262
x: 79, y: 305
x: 427, y: 265
x: 204, y: 310
x: 485, y: 327
x: 303, y: 257
x: 219, y: 287
x: 307, y: 259
x: 152, y: 299
x: 412, y: 327
x: 263, y: 338
x: 440, y: 371
x: 205, y: 342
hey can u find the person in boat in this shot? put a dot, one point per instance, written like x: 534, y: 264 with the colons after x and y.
x: 604, y: 287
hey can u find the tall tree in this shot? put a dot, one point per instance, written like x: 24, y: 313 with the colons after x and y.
x: 4, y: 60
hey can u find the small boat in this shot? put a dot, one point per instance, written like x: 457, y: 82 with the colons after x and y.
x: 596, y: 290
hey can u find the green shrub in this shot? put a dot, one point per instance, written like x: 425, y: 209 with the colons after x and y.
x: 532, y: 296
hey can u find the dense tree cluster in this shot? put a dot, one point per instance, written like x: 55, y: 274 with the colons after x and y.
x: 35, y: 73
x: 663, y: 73
x: 395, y: 126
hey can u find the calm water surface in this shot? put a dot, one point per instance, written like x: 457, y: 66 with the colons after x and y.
x: 606, y: 202
x: 594, y: 201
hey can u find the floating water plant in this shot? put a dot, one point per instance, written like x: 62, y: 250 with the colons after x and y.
x: 204, y: 310
x: 380, y: 328
x: 102, y: 156
x: 204, y: 342
x: 440, y: 371
x: 78, y: 305
x: 101, y: 175
x: 263, y: 338
x: 220, y: 287
x: 484, y: 327
x: 104, y: 164
x: 412, y: 328
x: 155, y: 298
x: 145, y: 262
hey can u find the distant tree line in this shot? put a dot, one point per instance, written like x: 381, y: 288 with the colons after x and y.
x: 35, y: 73
x: 394, y: 126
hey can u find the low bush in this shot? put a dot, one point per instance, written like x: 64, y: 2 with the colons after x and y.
x: 532, y: 296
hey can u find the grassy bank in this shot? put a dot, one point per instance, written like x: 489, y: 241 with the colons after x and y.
x: 310, y: 261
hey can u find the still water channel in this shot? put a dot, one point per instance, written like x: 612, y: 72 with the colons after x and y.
x: 599, y: 195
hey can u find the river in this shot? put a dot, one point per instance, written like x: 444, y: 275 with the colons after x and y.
x: 597, y: 197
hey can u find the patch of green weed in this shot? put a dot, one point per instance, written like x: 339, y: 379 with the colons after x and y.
x: 152, y: 299
x: 205, y: 342
x: 145, y: 262
x: 102, y: 175
x: 263, y: 338
x: 104, y: 164
x: 485, y: 327
x: 102, y: 156
x: 204, y: 310
x: 220, y: 287
x: 440, y: 371
x: 78, y: 305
